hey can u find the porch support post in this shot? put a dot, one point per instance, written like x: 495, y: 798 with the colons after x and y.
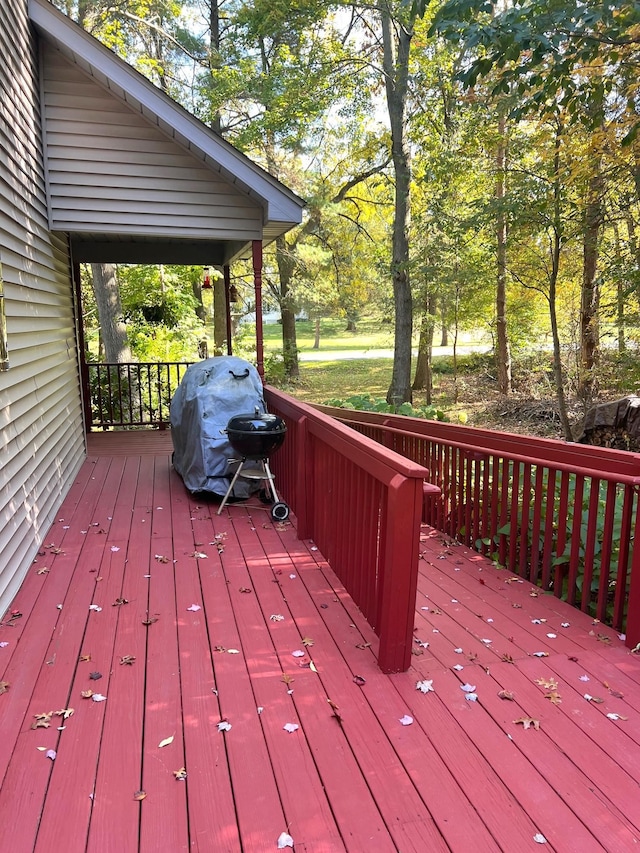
x: 257, y: 284
x: 82, y: 348
x: 227, y: 292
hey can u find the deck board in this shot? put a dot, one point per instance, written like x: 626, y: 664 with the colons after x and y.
x: 462, y: 776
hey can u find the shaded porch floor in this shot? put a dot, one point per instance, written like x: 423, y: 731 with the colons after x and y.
x: 185, y: 620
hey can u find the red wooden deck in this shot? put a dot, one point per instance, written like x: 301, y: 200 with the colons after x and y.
x: 183, y: 642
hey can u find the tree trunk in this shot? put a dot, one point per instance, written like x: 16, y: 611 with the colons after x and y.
x: 286, y: 265
x: 113, y: 329
x: 423, y: 377
x: 590, y: 291
x: 503, y: 353
x: 555, y: 269
x: 396, y: 40
x: 316, y: 339
x: 620, y: 312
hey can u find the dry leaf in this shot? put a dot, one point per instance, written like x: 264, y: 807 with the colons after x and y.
x: 603, y: 638
x: 245, y: 589
x: 4, y: 686
x: 506, y: 694
x: 165, y: 742
x: 139, y: 795
x: 528, y: 722
x: 553, y: 697
x: 161, y: 559
x: 617, y: 717
x: 86, y: 694
x: 617, y: 694
x: 507, y: 659
x: 83, y: 658
x: 547, y: 683
x: 363, y: 645
x: 307, y: 641
x: 94, y: 676
x: 65, y: 713
x: 42, y: 721
x: 287, y: 678
x: 127, y: 660
x: 180, y: 774
x: 359, y: 680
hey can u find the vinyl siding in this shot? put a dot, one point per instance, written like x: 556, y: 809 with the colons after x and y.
x: 41, y: 432
x: 110, y: 170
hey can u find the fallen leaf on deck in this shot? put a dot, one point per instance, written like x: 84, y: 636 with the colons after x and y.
x: 471, y: 697
x: 553, y: 697
x: 468, y: 688
x: 528, y: 722
x: 43, y: 571
x: 245, y: 589
x: 127, y: 660
x: 181, y: 774
x: 276, y: 617
x: 539, y: 838
x: 287, y: 678
x: 224, y: 726
x: 506, y: 694
x: 42, y: 721
x: 533, y: 593
x: 120, y: 601
x: 284, y: 840
x: 233, y: 651
x: 194, y: 608
x: 4, y: 686
x: 98, y: 697
x: 139, y: 795
x: 65, y: 713
x: 199, y: 555
x: 417, y: 652
x: 298, y: 653
x: 95, y: 607
x: 165, y: 742
x: 458, y: 667
x: 84, y: 658
x: 406, y: 720
x: 359, y: 680
x: 507, y: 659
x: 425, y: 686
x: 596, y: 699
x: 94, y: 676
x: 150, y: 621
x: 312, y: 666
x: 617, y: 694
x: 458, y: 651
x: 363, y: 645
x: 307, y: 641
x: 617, y: 717
x: 584, y: 678
x: 540, y: 654
x: 86, y: 694
x: 547, y: 683
x: 161, y: 558
x: 291, y: 727
x: 51, y: 753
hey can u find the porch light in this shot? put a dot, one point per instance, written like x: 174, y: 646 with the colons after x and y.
x: 206, y: 280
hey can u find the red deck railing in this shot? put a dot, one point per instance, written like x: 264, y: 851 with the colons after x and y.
x: 565, y: 516
x: 362, y: 505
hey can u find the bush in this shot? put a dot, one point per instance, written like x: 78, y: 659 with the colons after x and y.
x: 367, y: 403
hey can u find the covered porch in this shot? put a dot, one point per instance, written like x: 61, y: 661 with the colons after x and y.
x: 209, y: 636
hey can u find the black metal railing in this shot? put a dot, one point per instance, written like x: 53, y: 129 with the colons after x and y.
x: 136, y: 394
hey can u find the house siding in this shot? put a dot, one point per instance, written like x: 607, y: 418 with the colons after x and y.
x: 41, y: 430
x: 110, y: 170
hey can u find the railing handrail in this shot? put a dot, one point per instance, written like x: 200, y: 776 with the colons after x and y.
x: 485, y: 450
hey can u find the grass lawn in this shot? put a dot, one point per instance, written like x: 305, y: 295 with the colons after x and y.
x: 371, y: 334
x: 325, y: 380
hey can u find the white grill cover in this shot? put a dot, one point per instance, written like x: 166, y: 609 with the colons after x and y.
x: 209, y: 395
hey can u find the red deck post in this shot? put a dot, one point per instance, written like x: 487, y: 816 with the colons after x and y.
x: 633, y: 608
x: 399, y: 573
x: 257, y: 283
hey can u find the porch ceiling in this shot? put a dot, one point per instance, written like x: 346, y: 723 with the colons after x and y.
x: 183, y: 642
x: 148, y: 217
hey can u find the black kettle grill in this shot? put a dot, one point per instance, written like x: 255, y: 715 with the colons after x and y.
x: 255, y: 437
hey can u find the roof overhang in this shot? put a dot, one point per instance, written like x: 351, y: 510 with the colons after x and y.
x: 282, y: 209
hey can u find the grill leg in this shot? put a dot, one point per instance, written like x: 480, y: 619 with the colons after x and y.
x: 231, y: 485
x: 272, y: 486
